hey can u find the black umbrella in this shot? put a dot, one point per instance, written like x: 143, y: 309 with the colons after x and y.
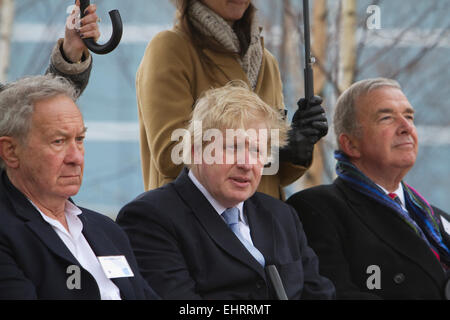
x: 117, y: 30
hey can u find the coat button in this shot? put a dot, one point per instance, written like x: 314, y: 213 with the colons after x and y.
x: 259, y: 284
x: 399, y: 278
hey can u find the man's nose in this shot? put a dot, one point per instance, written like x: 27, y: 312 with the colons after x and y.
x: 244, y: 159
x: 75, y: 153
x: 406, y: 125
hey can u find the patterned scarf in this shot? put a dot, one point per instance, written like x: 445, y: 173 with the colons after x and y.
x: 426, y: 223
x: 212, y: 25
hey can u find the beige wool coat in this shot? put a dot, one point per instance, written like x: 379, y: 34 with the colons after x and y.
x: 169, y: 80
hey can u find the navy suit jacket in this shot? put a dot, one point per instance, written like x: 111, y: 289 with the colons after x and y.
x: 350, y: 232
x: 34, y: 261
x: 185, y: 250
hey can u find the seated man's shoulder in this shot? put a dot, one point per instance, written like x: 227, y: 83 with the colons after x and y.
x: 323, y: 189
x: 324, y: 194
x: 165, y: 195
x: 106, y: 224
x: 164, y: 200
x: 266, y: 200
x: 324, y: 200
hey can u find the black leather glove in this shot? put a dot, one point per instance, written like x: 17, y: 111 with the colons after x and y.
x: 309, y: 125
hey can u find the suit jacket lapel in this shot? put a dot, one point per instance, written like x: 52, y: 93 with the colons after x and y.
x: 102, y: 245
x: 49, y: 237
x: 392, y: 230
x: 212, y: 222
x: 261, y: 228
x: 33, y: 220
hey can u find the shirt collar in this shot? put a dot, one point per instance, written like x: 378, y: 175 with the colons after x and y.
x: 71, y: 211
x: 398, y: 192
x: 216, y: 205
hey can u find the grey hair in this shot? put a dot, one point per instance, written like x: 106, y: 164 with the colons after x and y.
x: 345, y: 120
x: 17, y: 100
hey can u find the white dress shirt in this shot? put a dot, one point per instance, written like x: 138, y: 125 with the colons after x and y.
x: 81, y: 250
x: 244, y: 227
x: 399, y: 193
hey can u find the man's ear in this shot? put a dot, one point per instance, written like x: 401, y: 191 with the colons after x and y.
x: 349, y: 145
x: 8, y: 151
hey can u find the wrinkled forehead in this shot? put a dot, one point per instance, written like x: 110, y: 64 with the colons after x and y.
x: 57, y: 113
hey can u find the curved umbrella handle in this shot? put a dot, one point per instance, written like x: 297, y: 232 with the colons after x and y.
x: 117, y: 30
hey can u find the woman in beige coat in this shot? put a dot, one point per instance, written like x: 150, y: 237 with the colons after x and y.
x: 213, y: 42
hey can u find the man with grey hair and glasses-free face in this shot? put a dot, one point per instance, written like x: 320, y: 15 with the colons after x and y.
x: 375, y: 235
x: 49, y: 247
x: 208, y: 234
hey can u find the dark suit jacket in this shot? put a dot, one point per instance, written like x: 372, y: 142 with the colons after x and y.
x: 350, y: 232
x: 34, y: 260
x: 186, y: 251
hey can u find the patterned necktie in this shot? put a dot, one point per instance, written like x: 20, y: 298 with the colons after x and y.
x: 231, y: 216
x: 396, y: 198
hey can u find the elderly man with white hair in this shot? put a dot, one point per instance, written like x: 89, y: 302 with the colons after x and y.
x: 375, y: 235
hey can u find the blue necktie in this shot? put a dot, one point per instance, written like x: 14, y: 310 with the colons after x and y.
x: 231, y: 216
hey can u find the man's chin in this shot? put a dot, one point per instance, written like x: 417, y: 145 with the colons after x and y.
x: 240, y: 196
x: 408, y: 160
x: 70, y: 190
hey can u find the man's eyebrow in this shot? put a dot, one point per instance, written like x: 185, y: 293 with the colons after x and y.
x: 391, y: 110
x: 65, y: 134
x: 384, y: 110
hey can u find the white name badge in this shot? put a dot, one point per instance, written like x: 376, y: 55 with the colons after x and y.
x: 446, y: 225
x: 115, y: 266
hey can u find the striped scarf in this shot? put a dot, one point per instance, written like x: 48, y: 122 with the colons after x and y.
x: 426, y: 223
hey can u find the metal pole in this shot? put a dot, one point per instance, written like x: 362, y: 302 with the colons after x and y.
x: 309, y: 60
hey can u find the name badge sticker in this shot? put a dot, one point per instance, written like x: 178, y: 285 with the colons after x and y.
x: 446, y: 225
x: 115, y: 267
